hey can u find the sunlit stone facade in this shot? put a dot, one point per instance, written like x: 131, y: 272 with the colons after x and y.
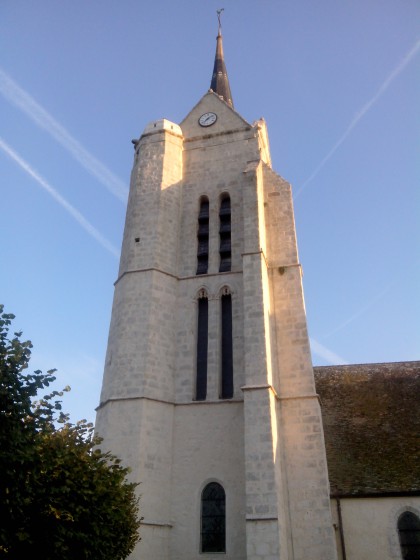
x: 264, y: 444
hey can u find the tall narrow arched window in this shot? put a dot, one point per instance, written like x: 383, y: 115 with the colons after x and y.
x: 213, y: 518
x: 225, y: 235
x: 409, y: 534
x: 203, y: 237
x: 202, y: 344
x: 226, y: 347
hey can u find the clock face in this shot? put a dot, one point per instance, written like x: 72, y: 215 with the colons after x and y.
x: 207, y: 119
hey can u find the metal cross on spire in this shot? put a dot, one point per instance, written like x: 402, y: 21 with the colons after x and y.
x: 219, y: 15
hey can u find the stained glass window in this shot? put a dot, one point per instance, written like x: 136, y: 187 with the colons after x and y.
x: 213, y: 518
x: 409, y: 533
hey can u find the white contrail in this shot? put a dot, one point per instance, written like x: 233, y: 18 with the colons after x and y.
x: 21, y: 99
x: 325, y: 353
x: 361, y: 311
x: 408, y: 57
x: 80, y: 219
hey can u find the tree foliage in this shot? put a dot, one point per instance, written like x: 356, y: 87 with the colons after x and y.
x: 60, y: 496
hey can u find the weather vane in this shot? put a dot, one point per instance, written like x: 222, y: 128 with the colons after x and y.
x: 219, y: 13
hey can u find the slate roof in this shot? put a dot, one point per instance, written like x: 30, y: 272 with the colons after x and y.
x: 371, y: 416
x: 219, y: 80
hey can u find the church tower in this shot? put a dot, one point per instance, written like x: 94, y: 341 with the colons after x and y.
x: 208, y: 391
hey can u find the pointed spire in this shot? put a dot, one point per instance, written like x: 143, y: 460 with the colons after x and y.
x: 219, y: 81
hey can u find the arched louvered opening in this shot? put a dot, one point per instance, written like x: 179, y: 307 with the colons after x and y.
x: 202, y: 346
x: 225, y: 249
x: 213, y: 518
x: 203, y: 237
x: 226, y: 346
x: 409, y: 534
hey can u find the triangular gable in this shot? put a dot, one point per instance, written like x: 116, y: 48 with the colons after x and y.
x: 227, y: 118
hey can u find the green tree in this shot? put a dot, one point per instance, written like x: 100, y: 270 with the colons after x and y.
x: 60, y: 495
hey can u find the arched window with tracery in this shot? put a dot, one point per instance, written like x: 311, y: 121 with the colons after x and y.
x: 226, y: 391
x: 225, y: 249
x: 203, y: 237
x: 202, y: 346
x: 409, y: 534
x: 213, y: 518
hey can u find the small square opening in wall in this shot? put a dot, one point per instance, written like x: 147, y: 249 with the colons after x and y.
x: 137, y: 239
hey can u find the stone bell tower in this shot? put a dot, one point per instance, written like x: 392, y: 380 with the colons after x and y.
x: 208, y: 391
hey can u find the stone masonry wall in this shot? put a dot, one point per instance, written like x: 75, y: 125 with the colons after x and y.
x: 265, y: 445
x: 300, y: 434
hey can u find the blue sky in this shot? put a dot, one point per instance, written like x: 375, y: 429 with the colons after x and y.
x: 338, y: 84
